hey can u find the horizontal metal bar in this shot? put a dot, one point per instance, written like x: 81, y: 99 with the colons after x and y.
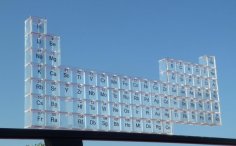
x: 8, y: 133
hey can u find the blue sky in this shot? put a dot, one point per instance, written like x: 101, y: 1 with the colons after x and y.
x: 126, y: 37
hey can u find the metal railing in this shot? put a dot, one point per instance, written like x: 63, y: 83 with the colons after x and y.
x: 75, y: 138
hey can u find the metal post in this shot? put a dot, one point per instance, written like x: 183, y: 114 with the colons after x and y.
x: 63, y: 142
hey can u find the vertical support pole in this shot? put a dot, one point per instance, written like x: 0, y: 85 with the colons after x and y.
x: 63, y: 142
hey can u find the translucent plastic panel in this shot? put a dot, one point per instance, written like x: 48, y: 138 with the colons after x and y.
x: 126, y: 110
x: 34, y: 41
x: 206, y: 94
x: 34, y: 24
x: 183, y: 104
x: 53, y: 58
x: 35, y: 56
x: 147, y: 126
x: 181, y: 79
x: 146, y: 99
x: 214, y: 95
x: 209, y: 119
x: 36, y: 102
x: 35, y: 86
x: 204, y: 71
x: 205, y: 83
x: 175, y: 115
x: 197, y: 81
x: 188, y: 68
x: 91, y: 107
x: 165, y: 101
x: 52, y: 88
x: 164, y: 88
x: 192, y: 104
x: 190, y: 92
x: 79, y: 106
x: 78, y: 121
x: 135, y: 84
x: 125, y: 97
x: 189, y: 80
x: 167, y: 127
x: 198, y: 93
x: 66, y: 121
x: 91, y: 122
x: 136, y: 111
x: 126, y: 124
x: 156, y: 113
x: 104, y: 123
x: 34, y: 119
x: 197, y: 70
x: 207, y: 106
x: 216, y: 106
x: 65, y: 74
x: 173, y: 89
x: 157, y: 126
x: 184, y: 116
x: 103, y: 108
x: 145, y: 86
x: 124, y: 83
x: 213, y: 84
x: 193, y: 117
x: 114, y: 95
x: 155, y: 86
x: 79, y: 76
x: 181, y: 91
x: 114, y: 81
x: 115, y: 109
x: 79, y: 91
x: 180, y: 67
x: 91, y: 78
x: 136, y: 98
x: 115, y: 124
x: 155, y: 100
x: 200, y: 105
x: 174, y: 102
x: 35, y: 71
x: 66, y: 105
x: 166, y: 115
x: 52, y: 119
x: 167, y: 64
x: 52, y: 73
x: 102, y: 80
x: 201, y: 118
x: 91, y: 92
x: 216, y: 119
x: 138, y: 125
x: 53, y: 43
x: 146, y: 112
x: 52, y: 103
x: 66, y: 90
x: 103, y: 94
x: 212, y: 73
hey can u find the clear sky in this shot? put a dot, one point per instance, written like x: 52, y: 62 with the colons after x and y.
x: 126, y: 37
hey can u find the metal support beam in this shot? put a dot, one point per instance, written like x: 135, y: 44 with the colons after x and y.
x: 67, y: 137
x: 63, y: 142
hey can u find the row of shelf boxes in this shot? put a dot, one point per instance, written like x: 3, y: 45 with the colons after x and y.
x: 107, y: 123
x: 189, y: 80
x: 35, y: 24
x: 202, y: 69
x: 38, y: 57
x: 63, y: 89
x: 64, y: 74
x: 96, y: 123
x: 45, y: 41
x: 154, y: 111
